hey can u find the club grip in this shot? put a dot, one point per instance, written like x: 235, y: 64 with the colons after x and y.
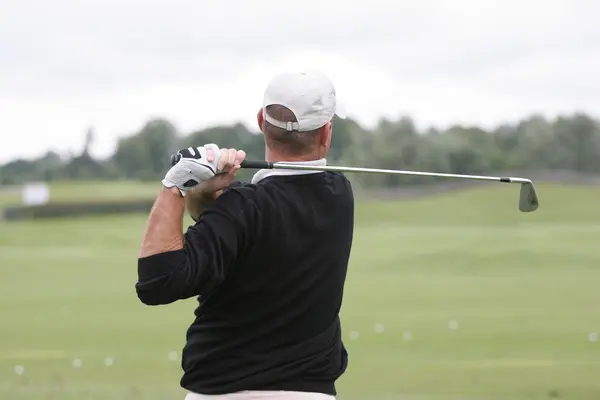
x: 248, y: 164
x: 257, y: 164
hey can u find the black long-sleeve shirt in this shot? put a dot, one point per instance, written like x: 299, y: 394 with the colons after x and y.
x: 268, y: 264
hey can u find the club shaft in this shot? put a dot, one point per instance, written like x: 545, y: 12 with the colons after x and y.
x: 282, y: 165
x: 252, y: 164
x: 528, y: 200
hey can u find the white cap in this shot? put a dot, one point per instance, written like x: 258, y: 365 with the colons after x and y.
x: 311, y: 96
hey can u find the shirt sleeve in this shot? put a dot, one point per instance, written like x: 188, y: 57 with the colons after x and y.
x: 211, y: 247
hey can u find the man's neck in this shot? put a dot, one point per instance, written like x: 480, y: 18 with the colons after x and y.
x: 273, y: 156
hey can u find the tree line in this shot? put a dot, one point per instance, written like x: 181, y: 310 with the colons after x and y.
x: 565, y: 143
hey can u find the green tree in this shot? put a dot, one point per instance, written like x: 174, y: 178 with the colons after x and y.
x: 146, y: 154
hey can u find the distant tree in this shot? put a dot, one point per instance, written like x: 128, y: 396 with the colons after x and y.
x: 578, y: 138
x: 146, y: 154
x: 18, y: 171
x: 90, y: 136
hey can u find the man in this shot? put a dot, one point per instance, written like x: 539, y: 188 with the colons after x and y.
x: 267, y: 259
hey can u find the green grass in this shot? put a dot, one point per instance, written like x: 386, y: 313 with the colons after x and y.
x: 523, y: 289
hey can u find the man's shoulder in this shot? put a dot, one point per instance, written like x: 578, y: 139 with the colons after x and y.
x: 239, y: 192
x: 339, y: 175
x: 327, y: 176
x: 243, y: 190
x: 338, y: 178
x: 242, y: 187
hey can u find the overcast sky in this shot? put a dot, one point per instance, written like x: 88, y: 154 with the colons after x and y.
x: 69, y: 64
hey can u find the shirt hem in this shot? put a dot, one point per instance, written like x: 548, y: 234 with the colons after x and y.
x: 327, y: 388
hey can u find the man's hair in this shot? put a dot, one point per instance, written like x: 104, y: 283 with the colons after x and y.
x: 293, y: 143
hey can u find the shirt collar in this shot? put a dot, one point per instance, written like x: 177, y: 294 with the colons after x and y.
x: 265, y: 173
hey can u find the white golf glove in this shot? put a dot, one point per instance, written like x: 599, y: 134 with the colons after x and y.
x: 192, y: 168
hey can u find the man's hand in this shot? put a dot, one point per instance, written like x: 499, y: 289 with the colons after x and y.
x: 227, y: 167
x: 205, y: 193
x: 195, y: 165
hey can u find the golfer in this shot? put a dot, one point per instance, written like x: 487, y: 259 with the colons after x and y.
x: 267, y: 259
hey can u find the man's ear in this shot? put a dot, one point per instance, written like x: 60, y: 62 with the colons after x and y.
x: 325, y: 135
x: 260, y: 119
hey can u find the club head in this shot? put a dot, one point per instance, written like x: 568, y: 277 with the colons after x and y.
x: 528, y: 199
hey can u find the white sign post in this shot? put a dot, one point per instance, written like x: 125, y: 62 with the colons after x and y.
x: 35, y: 194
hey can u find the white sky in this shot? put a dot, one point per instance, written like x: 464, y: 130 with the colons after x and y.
x: 113, y: 64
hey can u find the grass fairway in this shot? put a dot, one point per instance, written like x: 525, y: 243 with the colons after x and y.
x: 456, y: 296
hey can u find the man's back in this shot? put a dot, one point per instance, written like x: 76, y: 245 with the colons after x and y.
x: 268, y: 260
x: 272, y: 323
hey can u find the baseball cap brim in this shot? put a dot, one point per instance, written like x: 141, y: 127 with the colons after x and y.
x: 340, y: 110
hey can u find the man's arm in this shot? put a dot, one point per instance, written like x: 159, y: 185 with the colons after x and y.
x: 209, y: 248
x: 164, y: 227
x: 174, y: 266
x: 162, y: 246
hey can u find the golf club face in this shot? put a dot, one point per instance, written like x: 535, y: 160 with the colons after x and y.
x: 528, y: 199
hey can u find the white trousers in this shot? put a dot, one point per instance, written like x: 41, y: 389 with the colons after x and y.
x: 257, y: 395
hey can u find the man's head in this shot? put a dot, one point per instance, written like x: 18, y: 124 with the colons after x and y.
x: 297, y: 114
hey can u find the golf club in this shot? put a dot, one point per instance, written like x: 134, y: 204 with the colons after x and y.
x: 528, y: 199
